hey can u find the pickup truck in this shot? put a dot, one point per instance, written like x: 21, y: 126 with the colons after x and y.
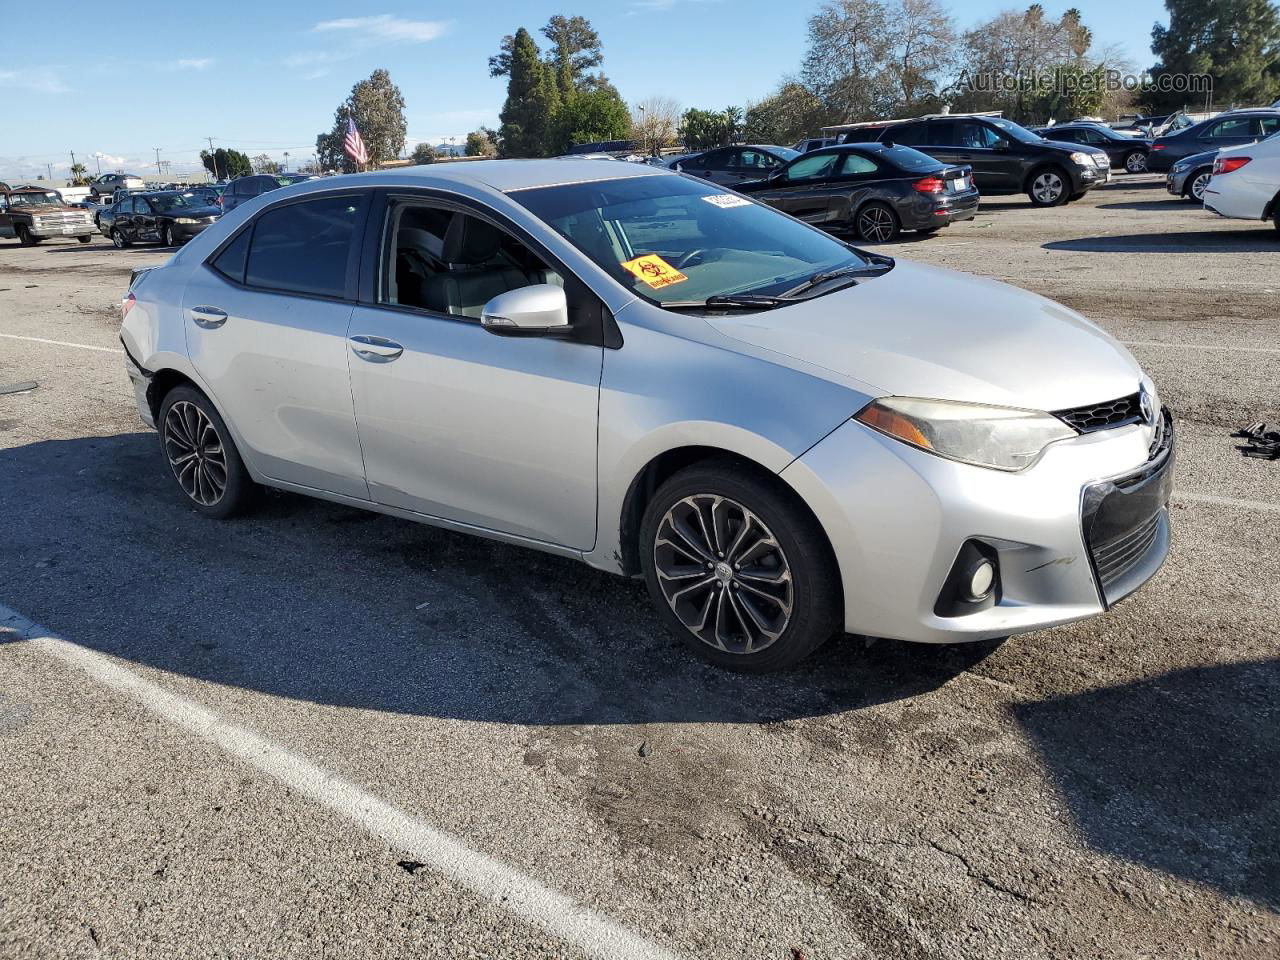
x: 32, y: 214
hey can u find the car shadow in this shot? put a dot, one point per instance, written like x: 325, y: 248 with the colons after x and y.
x: 1177, y: 773
x: 1169, y: 203
x: 331, y: 604
x: 136, y: 248
x: 1259, y: 239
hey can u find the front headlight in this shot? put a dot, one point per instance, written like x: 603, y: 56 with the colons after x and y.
x: 1002, y: 438
x: 1083, y: 159
x: 185, y: 220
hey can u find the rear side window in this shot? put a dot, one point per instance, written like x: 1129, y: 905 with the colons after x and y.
x: 304, y: 247
x: 230, y: 262
x: 855, y: 164
x: 908, y: 133
x: 1239, y: 127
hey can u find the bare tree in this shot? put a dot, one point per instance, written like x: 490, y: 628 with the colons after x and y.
x: 849, y: 45
x: 655, y: 122
x: 923, y: 44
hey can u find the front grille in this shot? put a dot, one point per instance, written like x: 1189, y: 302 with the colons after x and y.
x: 1101, y: 160
x: 1100, y: 416
x: 1116, y: 557
x: 62, y: 219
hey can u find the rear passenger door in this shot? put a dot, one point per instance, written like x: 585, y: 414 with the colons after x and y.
x: 266, y: 319
x: 857, y: 179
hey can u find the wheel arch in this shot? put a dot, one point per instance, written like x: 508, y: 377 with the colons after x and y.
x: 1272, y: 207
x: 1042, y: 166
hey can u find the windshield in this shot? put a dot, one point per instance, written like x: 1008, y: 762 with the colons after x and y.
x: 1014, y: 131
x: 163, y: 203
x: 670, y: 238
x: 33, y: 199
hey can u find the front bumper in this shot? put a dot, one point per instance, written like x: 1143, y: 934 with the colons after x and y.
x: 898, y: 518
x: 52, y: 231
x: 185, y: 231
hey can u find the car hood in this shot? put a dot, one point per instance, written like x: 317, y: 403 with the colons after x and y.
x: 1068, y: 148
x: 924, y: 331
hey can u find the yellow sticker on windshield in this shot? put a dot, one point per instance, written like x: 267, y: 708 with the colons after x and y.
x: 654, y: 271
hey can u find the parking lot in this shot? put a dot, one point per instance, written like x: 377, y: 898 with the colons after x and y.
x: 318, y: 732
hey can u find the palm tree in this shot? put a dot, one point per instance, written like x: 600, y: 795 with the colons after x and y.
x: 78, y: 170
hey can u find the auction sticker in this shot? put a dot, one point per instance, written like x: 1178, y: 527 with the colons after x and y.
x: 727, y: 200
x: 654, y: 271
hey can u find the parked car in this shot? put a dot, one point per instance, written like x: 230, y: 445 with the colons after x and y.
x: 733, y: 165
x: 784, y: 435
x: 872, y: 190
x: 815, y: 143
x: 1232, y: 129
x: 32, y: 214
x: 246, y: 188
x: 108, y: 183
x: 1006, y: 158
x: 165, y: 218
x: 210, y: 193
x: 1154, y: 126
x: 1189, y: 176
x: 1126, y: 153
x: 1246, y: 182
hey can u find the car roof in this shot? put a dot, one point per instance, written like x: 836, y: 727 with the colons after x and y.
x: 501, y: 175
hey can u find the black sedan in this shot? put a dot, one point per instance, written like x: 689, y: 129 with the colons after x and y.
x: 872, y: 190
x: 1126, y: 153
x: 165, y: 218
x: 733, y: 165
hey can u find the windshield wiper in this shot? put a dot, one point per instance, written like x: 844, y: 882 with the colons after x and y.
x: 745, y: 301
x: 854, y: 274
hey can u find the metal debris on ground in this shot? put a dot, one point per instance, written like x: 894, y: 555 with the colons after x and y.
x: 25, y: 387
x: 1261, y: 441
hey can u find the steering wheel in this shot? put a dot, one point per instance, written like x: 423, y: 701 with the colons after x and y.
x: 688, y: 257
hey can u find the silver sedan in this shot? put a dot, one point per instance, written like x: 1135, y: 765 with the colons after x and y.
x: 785, y: 436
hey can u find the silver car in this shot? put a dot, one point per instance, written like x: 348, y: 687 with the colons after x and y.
x: 783, y: 435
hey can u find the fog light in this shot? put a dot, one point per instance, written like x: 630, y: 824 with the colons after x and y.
x: 981, y: 579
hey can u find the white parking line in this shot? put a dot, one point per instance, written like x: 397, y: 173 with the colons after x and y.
x: 1260, y: 506
x: 492, y: 879
x: 61, y: 343
x: 1198, y: 346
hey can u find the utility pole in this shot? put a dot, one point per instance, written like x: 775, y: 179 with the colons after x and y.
x: 158, y: 168
x: 286, y: 162
x: 97, y: 158
x: 49, y: 167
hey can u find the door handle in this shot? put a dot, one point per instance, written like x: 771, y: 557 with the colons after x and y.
x: 375, y: 349
x: 210, y: 318
x: 966, y: 156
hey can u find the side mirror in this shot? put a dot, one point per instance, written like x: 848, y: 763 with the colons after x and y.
x: 540, y: 310
x: 1001, y: 144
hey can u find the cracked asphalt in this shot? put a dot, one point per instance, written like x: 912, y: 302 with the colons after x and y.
x: 1106, y: 789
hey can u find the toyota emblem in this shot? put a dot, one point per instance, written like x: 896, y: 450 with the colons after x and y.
x: 1146, y: 408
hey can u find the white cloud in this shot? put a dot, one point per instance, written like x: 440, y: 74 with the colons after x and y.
x: 108, y: 160
x: 192, y: 63
x: 36, y: 79
x: 386, y: 28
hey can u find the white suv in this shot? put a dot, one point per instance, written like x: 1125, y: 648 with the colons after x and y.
x: 1246, y: 182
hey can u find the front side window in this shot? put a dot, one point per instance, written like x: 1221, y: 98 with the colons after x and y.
x: 304, y: 247
x: 816, y: 166
x: 450, y: 262
x: 671, y: 239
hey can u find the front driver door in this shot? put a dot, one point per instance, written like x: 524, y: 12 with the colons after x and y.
x: 495, y: 433
x: 803, y: 189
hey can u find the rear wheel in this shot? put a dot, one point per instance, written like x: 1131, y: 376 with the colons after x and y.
x: 738, y: 568
x: 166, y: 236
x: 876, y: 223
x: 201, y: 454
x: 1135, y: 161
x: 1049, y: 187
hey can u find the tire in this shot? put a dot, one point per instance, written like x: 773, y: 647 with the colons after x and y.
x: 1135, y: 161
x: 769, y: 619
x: 1049, y: 186
x: 876, y: 222
x: 1193, y: 189
x: 1275, y: 217
x: 84, y: 239
x: 118, y: 239
x: 215, y: 482
x: 24, y: 235
x: 166, y: 237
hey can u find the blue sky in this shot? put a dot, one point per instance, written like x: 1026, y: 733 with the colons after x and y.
x: 266, y: 78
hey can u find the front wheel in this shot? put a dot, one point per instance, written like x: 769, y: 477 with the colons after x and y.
x: 1136, y: 162
x: 738, y: 568
x: 201, y: 454
x: 117, y: 238
x: 876, y: 223
x: 1049, y: 187
x: 24, y: 236
x: 84, y: 239
x: 1196, y: 184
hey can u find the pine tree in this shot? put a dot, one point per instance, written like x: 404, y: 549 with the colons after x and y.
x: 1236, y: 42
x: 532, y: 100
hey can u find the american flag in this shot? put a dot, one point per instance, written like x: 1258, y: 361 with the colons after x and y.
x: 353, y: 146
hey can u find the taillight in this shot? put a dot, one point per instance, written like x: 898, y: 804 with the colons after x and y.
x: 929, y: 185
x: 127, y: 304
x: 1227, y: 164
